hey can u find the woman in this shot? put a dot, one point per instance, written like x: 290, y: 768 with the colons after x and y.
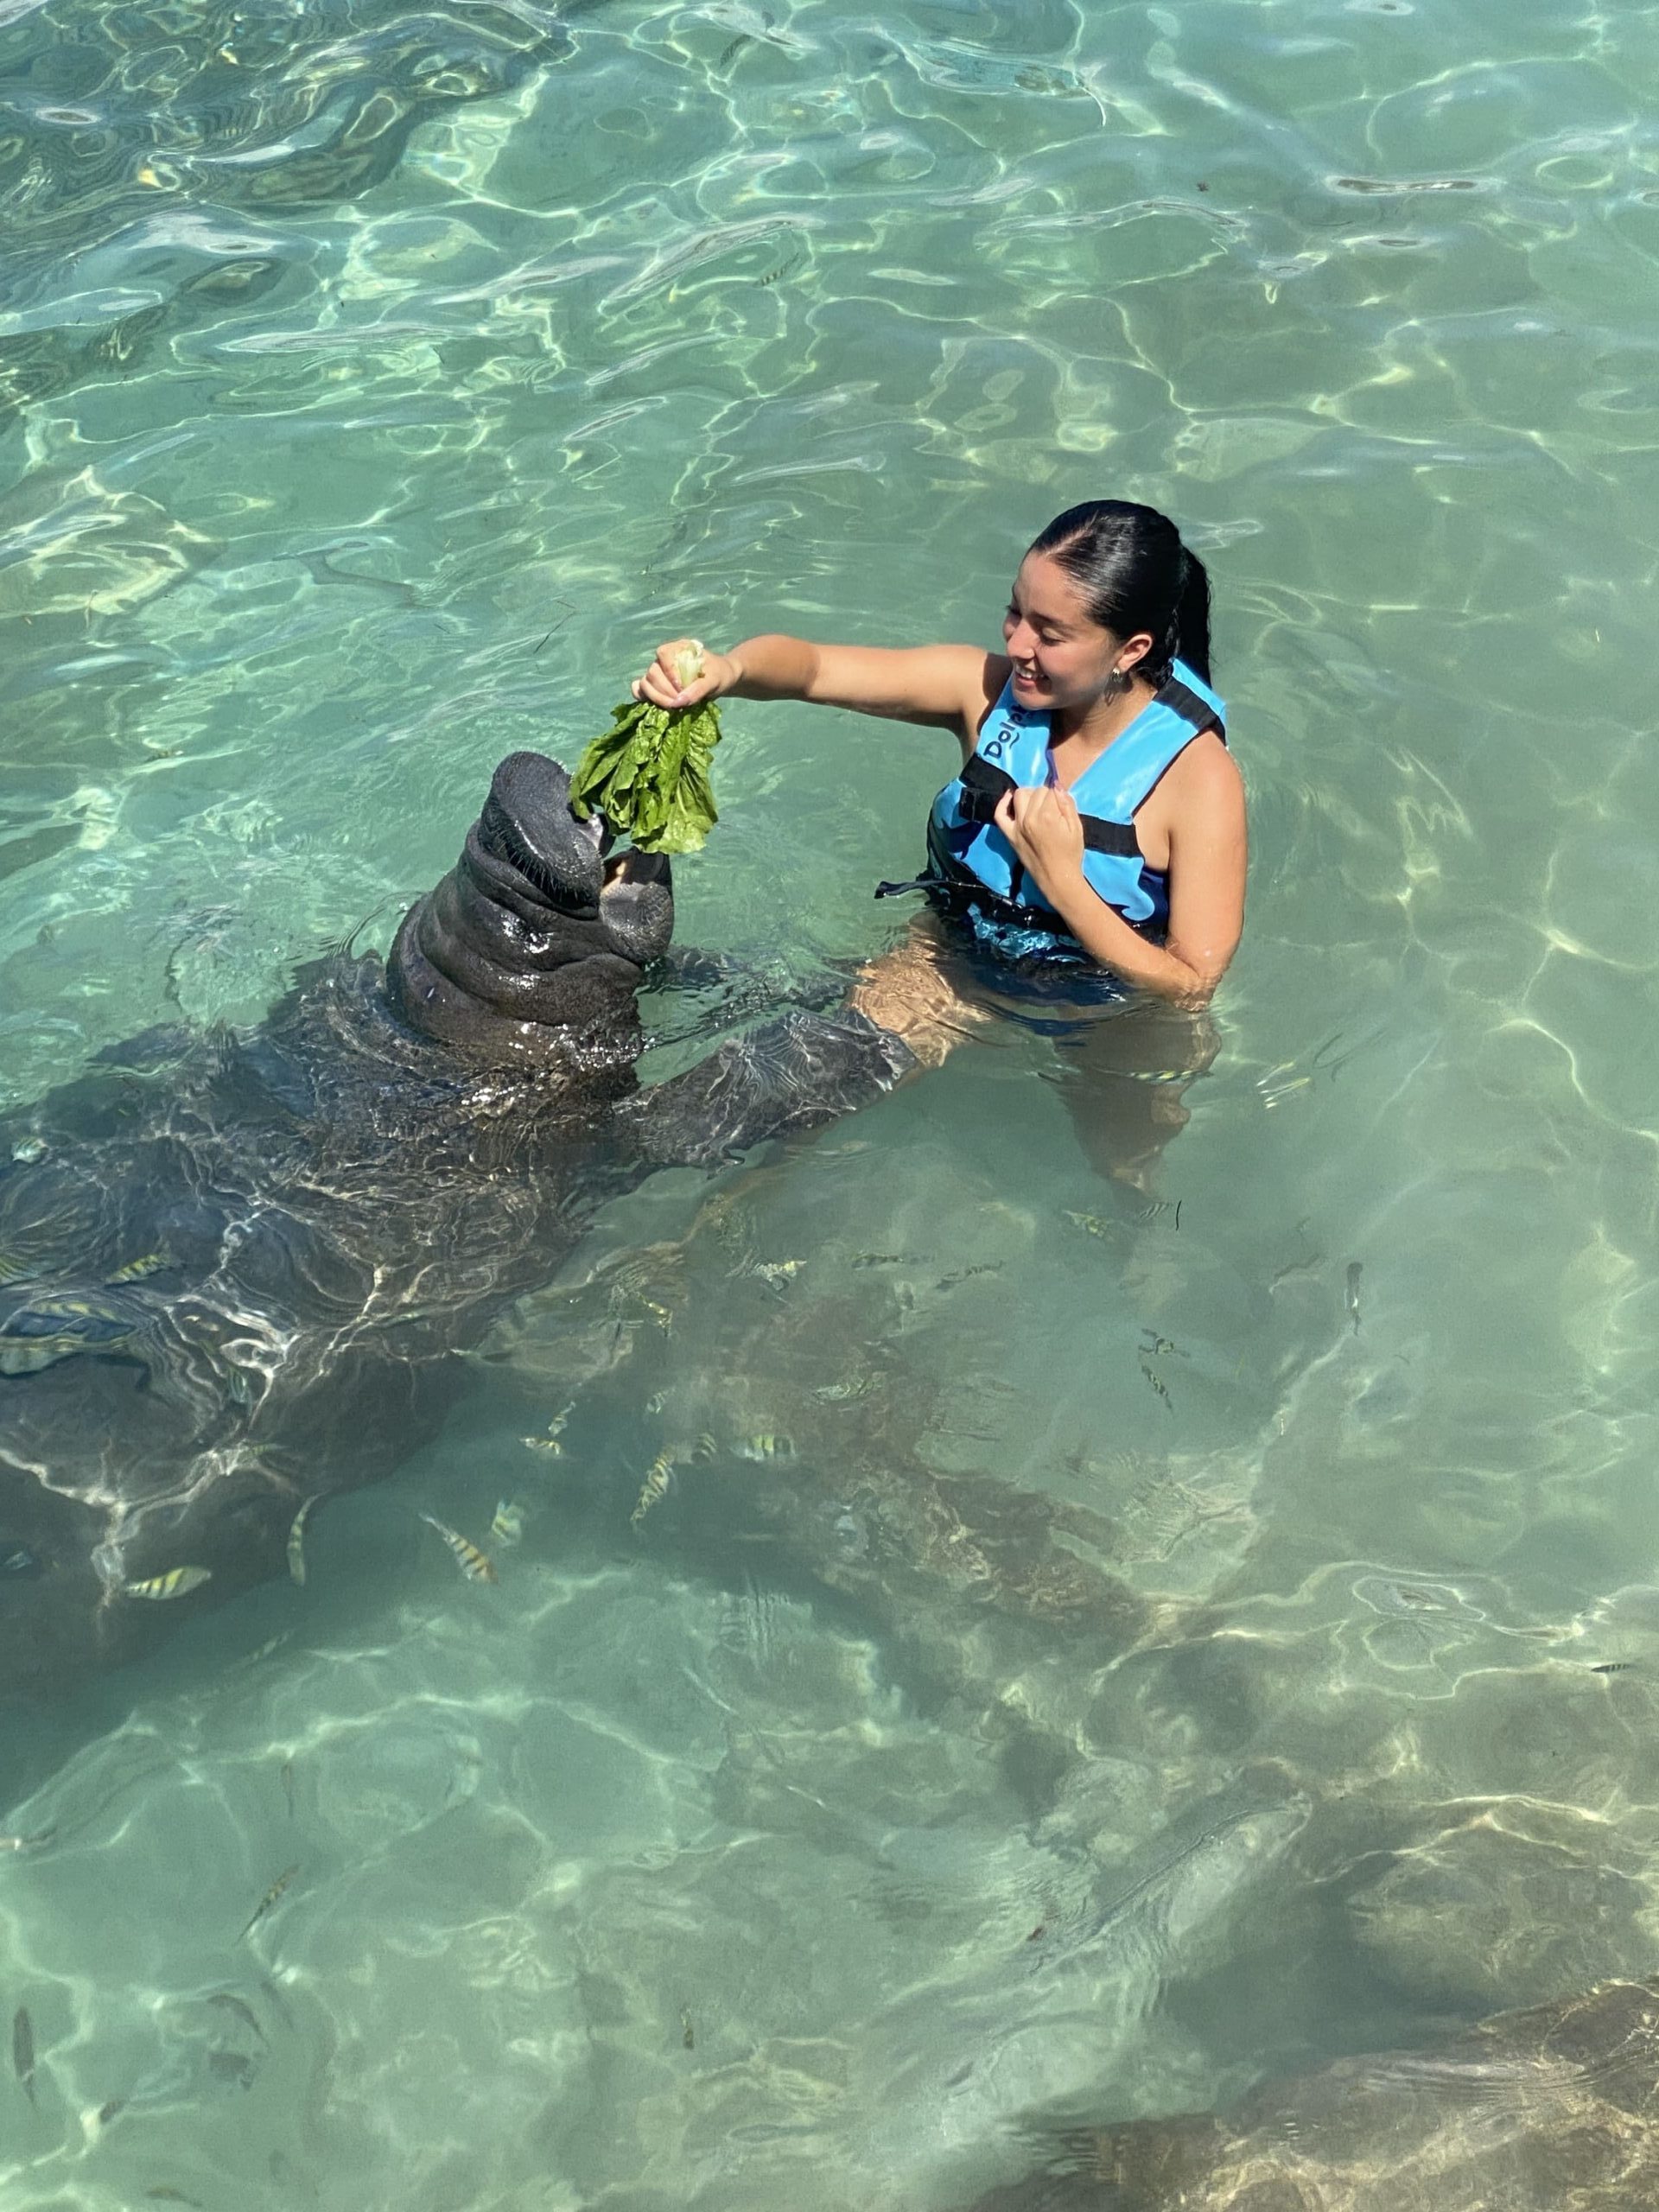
x: 1093, y: 844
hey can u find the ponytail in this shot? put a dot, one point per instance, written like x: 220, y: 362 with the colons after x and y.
x: 1134, y: 574
x: 1192, y: 638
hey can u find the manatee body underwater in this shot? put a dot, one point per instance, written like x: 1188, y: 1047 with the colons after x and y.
x: 1536, y: 2111
x: 235, y: 1267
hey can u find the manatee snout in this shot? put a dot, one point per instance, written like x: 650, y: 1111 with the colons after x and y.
x: 533, y: 945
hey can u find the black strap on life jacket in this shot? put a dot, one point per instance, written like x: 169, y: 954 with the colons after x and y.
x: 954, y: 890
x: 983, y: 786
x: 1183, y: 700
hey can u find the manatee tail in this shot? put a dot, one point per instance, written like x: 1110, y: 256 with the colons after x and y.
x: 796, y: 1072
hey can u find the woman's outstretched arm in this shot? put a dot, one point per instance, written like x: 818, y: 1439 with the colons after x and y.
x: 944, y: 686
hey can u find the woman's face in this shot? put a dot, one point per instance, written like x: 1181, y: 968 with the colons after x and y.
x: 1061, y: 657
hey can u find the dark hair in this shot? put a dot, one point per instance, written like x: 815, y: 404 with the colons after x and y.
x: 1136, y: 573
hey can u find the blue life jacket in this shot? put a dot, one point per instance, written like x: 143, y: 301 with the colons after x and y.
x: 973, y: 871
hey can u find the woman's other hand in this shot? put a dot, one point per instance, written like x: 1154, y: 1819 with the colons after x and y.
x: 661, y: 682
x: 1046, y: 831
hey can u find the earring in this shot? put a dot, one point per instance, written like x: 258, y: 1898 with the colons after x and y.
x: 1121, y: 682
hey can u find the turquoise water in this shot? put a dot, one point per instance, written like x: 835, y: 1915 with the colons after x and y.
x: 380, y: 385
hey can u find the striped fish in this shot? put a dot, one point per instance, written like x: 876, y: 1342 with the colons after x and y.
x: 508, y: 1526
x: 476, y: 1566
x: 548, y: 1442
x: 23, y: 2051
x: 656, y: 1484
x: 177, y: 1582
x: 38, y: 1336
x: 147, y: 1264
x: 296, y: 1541
x: 777, y: 1271
x: 273, y: 1895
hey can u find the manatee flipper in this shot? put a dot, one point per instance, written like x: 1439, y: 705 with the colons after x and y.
x: 796, y: 1072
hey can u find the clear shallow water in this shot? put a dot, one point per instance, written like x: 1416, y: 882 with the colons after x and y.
x: 381, y: 386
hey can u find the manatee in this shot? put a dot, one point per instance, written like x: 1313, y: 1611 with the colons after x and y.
x: 236, y: 1268
x: 1529, y: 2111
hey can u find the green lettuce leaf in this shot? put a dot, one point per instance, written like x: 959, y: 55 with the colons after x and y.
x: 648, y: 774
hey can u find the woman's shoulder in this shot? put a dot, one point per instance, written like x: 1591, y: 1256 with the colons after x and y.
x: 989, y: 684
x: 1204, y: 777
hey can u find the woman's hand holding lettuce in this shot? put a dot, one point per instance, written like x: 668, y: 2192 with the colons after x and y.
x: 648, y: 774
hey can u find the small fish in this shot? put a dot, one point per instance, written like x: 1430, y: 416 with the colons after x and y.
x: 854, y: 1387
x: 38, y: 1336
x: 656, y: 1402
x: 162, y: 2193
x: 273, y: 1897
x: 21, y: 1561
x: 508, y: 1525
x: 1156, y: 1347
x: 1614, y: 1666
x: 23, y: 2049
x: 885, y: 1258
x: 36, y: 1842
x: 31, y: 1359
x: 1350, y: 1296
x: 476, y: 1566
x: 705, y: 1447
x: 766, y: 1446
x: 1038, y: 1932
x: 656, y: 1484
x: 287, y: 1780
x: 28, y: 1150
x: 687, y: 2033
x: 548, y: 1442
x: 776, y: 1271
x: 296, y: 1541
x: 147, y: 1264
x: 177, y: 1582
x: 662, y: 1315
x: 1158, y: 1386
x: 1095, y: 1224
x: 242, y: 2010
x: 967, y: 1274
x: 109, y: 2108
